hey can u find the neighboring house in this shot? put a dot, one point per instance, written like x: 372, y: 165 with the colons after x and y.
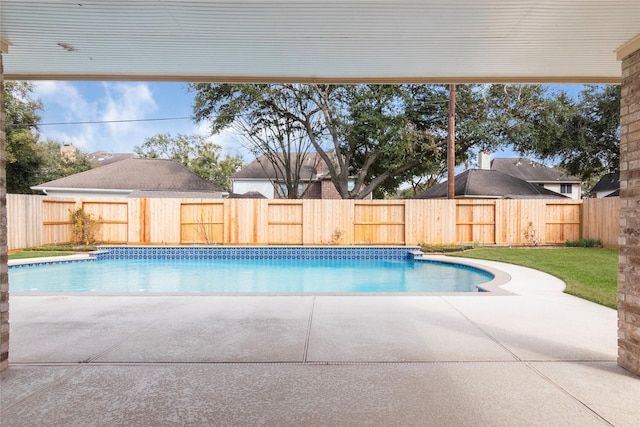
x: 488, y: 184
x: 97, y: 158
x: 608, y: 186
x: 260, y: 176
x: 134, y: 177
x: 539, y: 174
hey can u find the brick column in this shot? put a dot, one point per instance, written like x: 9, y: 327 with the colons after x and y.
x: 4, y: 277
x: 629, y: 272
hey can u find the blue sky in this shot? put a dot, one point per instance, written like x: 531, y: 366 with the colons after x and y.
x: 69, y: 101
x: 72, y: 102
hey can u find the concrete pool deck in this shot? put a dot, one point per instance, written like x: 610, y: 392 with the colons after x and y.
x: 536, y: 358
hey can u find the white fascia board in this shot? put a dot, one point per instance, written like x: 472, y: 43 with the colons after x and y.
x: 556, y: 182
x: 82, y: 190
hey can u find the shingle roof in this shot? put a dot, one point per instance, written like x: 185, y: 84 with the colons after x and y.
x: 150, y: 194
x: 103, y: 158
x: 262, y: 168
x: 136, y: 174
x: 488, y: 184
x: 247, y: 195
x: 608, y: 182
x: 531, y: 171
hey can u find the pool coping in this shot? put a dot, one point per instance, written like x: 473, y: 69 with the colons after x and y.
x: 490, y: 288
x: 86, y: 256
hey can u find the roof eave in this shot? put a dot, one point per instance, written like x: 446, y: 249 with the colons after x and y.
x: 80, y: 189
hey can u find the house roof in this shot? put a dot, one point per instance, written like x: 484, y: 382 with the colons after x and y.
x: 531, y: 171
x: 481, y: 183
x: 136, y: 174
x: 103, y: 158
x: 608, y: 182
x: 247, y: 195
x: 456, y: 41
x: 162, y: 194
x: 262, y: 168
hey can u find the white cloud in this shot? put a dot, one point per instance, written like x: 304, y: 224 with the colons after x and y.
x: 68, y: 103
x: 63, y: 103
x: 118, y: 103
x: 126, y: 101
x: 78, y: 103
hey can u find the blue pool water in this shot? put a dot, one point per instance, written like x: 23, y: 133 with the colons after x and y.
x: 246, y: 276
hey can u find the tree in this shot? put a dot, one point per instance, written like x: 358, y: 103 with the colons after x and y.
x: 582, y: 135
x: 375, y: 137
x: 488, y: 118
x: 23, y: 155
x: 29, y: 161
x: 589, y: 145
x: 361, y: 132
x: 194, y: 152
x: 282, y: 141
x: 595, y: 132
x: 383, y: 145
x: 56, y: 165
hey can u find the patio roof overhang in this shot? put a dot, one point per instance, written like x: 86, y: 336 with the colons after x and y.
x: 552, y: 41
x: 449, y: 41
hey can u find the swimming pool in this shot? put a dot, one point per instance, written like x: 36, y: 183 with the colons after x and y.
x: 272, y: 270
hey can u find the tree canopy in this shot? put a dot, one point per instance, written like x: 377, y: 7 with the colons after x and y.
x: 29, y: 161
x: 583, y: 135
x: 194, y: 152
x: 57, y: 165
x: 23, y: 156
x: 375, y: 137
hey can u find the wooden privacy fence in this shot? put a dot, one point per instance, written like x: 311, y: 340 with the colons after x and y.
x: 38, y: 220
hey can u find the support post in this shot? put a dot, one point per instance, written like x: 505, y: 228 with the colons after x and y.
x: 629, y: 265
x: 451, y: 143
x: 4, y: 276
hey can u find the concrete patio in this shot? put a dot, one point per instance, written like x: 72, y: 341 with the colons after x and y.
x: 536, y: 358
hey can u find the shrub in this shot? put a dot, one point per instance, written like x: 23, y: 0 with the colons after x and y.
x: 83, y: 227
x: 583, y: 243
x: 531, y: 235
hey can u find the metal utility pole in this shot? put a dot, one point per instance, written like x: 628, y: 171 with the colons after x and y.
x: 451, y: 141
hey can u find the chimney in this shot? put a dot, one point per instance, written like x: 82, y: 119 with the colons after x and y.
x: 484, y: 162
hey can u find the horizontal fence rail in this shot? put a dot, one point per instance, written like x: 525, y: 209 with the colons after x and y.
x: 39, y: 220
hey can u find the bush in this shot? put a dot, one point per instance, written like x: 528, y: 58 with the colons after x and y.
x: 584, y: 243
x: 84, y: 227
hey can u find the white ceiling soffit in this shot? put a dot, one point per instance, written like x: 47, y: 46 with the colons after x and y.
x: 324, y: 41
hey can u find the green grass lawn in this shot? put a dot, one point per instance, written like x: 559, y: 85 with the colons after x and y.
x: 590, y: 273
x: 50, y: 250
x: 38, y: 254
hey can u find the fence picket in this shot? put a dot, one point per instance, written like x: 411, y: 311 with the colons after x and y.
x: 36, y: 220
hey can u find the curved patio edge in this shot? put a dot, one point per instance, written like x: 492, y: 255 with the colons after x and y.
x: 511, y: 279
